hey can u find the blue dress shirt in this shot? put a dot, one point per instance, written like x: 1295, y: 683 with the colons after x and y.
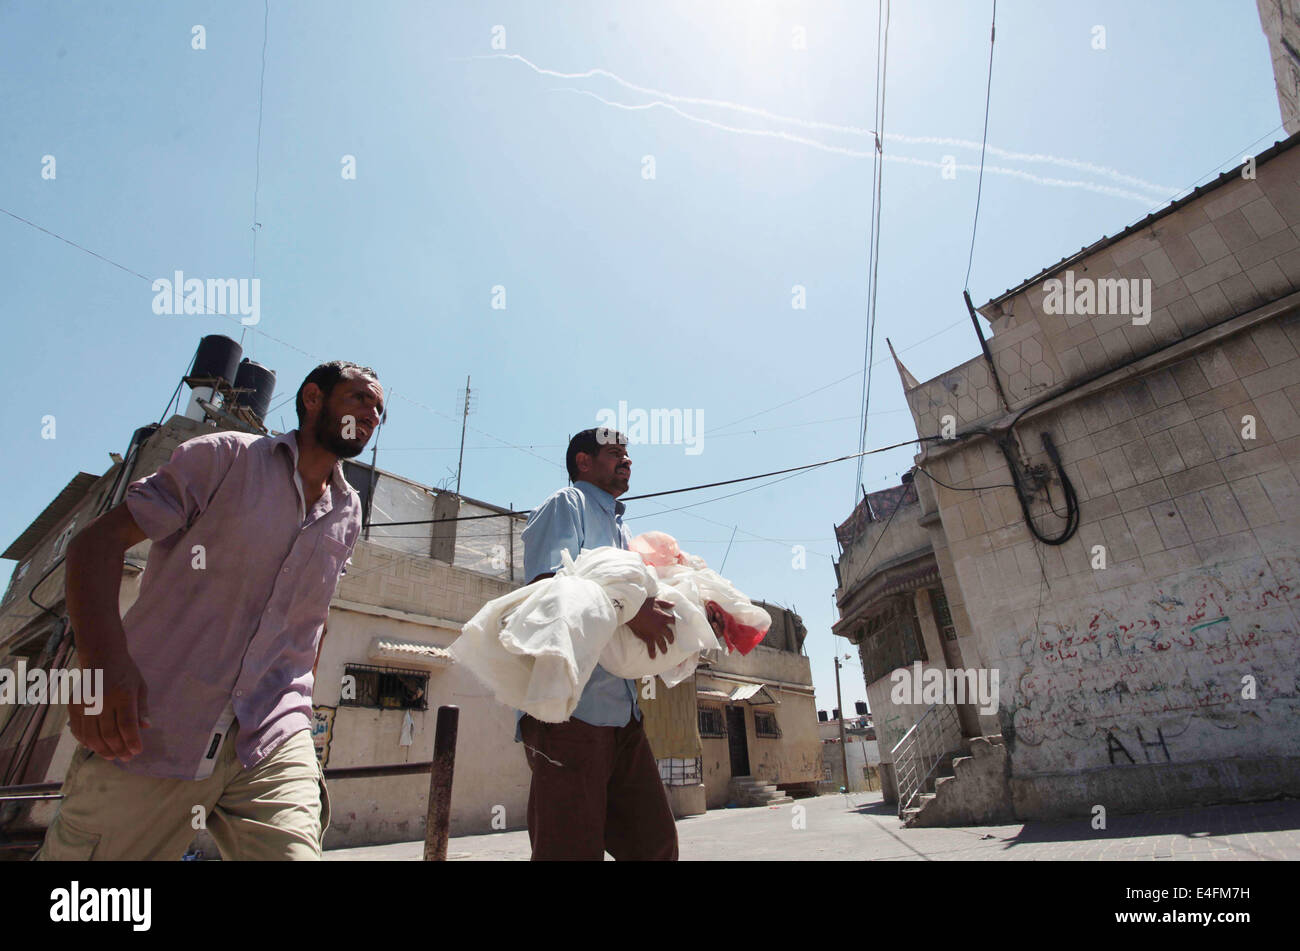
x: 576, y: 517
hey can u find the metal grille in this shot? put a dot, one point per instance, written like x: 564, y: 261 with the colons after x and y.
x: 388, y: 688
x: 681, y: 772
x: 765, y: 725
x: 942, y: 614
x: 711, y: 723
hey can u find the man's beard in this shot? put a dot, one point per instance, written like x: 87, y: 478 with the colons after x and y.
x: 331, y: 438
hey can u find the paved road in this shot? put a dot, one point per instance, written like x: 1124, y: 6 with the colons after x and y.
x: 861, y: 827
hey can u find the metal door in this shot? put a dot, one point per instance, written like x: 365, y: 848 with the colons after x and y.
x: 736, y: 743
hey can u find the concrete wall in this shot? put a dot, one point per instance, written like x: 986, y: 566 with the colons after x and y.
x: 1144, y: 668
x: 492, y: 777
x: 906, y: 536
x: 795, y: 757
x: 1281, y: 22
x: 861, y: 753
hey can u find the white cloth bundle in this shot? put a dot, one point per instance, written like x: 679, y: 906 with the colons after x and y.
x: 536, y: 647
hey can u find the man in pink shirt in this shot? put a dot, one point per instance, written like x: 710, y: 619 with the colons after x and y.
x: 207, y: 679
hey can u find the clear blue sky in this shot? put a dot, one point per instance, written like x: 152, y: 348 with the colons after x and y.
x: 475, y: 170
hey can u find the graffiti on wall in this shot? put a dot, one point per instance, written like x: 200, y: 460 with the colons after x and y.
x: 1177, y: 649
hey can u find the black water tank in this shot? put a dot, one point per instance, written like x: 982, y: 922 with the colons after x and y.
x: 835, y: 714
x: 260, y: 382
x: 821, y: 716
x: 218, y: 356
x: 861, y: 707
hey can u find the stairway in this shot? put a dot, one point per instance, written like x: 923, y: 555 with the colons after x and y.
x: 968, y: 788
x: 748, y: 791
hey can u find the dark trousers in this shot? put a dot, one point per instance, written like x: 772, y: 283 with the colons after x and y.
x: 595, y: 789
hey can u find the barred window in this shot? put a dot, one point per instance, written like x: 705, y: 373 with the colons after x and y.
x: 765, y: 724
x: 388, y: 688
x: 711, y: 722
x: 681, y: 772
x: 942, y: 614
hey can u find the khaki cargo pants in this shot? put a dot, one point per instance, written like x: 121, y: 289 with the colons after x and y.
x: 278, y: 809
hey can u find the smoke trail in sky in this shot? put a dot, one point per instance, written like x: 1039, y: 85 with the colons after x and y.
x: 858, y: 153
x: 664, y: 99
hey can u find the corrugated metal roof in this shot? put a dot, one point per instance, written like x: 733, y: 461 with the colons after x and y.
x: 753, y: 694
x: 410, y: 651
x: 710, y: 694
x: 67, y: 500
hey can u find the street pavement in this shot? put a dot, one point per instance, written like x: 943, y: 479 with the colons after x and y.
x: 860, y: 826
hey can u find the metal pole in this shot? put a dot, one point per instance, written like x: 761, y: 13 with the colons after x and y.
x: 844, y: 750
x: 464, y: 421
x: 438, y: 820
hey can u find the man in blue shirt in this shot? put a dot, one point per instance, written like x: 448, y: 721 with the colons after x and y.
x: 595, y: 785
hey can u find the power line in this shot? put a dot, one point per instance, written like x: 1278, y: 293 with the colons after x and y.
x: 690, y: 488
x: 93, y: 254
x: 257, y: 176
x: 317, y: 358
x: 973, y: 488
x: 984, y: 145
x: 873, y: 255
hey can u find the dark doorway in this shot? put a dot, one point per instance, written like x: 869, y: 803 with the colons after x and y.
x: 736, y: 743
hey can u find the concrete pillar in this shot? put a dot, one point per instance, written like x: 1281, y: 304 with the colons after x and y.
x: 442, y: 546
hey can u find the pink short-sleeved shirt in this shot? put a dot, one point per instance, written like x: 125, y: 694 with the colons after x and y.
x: 233, y: 599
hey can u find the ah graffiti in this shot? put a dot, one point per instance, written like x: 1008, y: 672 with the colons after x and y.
x: 1113, y: 746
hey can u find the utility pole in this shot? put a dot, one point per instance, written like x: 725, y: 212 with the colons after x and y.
x: 464, y: 421
x: 844, y: 750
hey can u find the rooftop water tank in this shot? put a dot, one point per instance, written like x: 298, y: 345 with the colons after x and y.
x: 217, y: 358
x: 260, y: 383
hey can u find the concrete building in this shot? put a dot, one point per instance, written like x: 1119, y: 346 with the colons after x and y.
x: 860, y: 749
x: 1109, y: 496
x: 1281, y: 22
x: 742, y: 730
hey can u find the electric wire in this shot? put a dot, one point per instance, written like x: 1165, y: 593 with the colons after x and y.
x: 979, y: 191
x: 873, y: 261
x: 690, y: 488
x: 973, y: 488
x: 257, y: 175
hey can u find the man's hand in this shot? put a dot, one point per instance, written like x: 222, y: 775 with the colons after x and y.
x: 114, y: 732
x: 716, y: 620
x: 654, y: 624
x: 94, y: 573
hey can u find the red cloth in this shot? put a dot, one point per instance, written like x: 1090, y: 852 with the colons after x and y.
x: 737, y: 636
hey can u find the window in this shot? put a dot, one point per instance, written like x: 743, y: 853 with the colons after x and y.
x: 765, y: 724
x: 17, y: 577
x: 681, y: 772
x: 388, y: 688
x: 942, y: 614
x: 711, y: 723
x: 61, y: 543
